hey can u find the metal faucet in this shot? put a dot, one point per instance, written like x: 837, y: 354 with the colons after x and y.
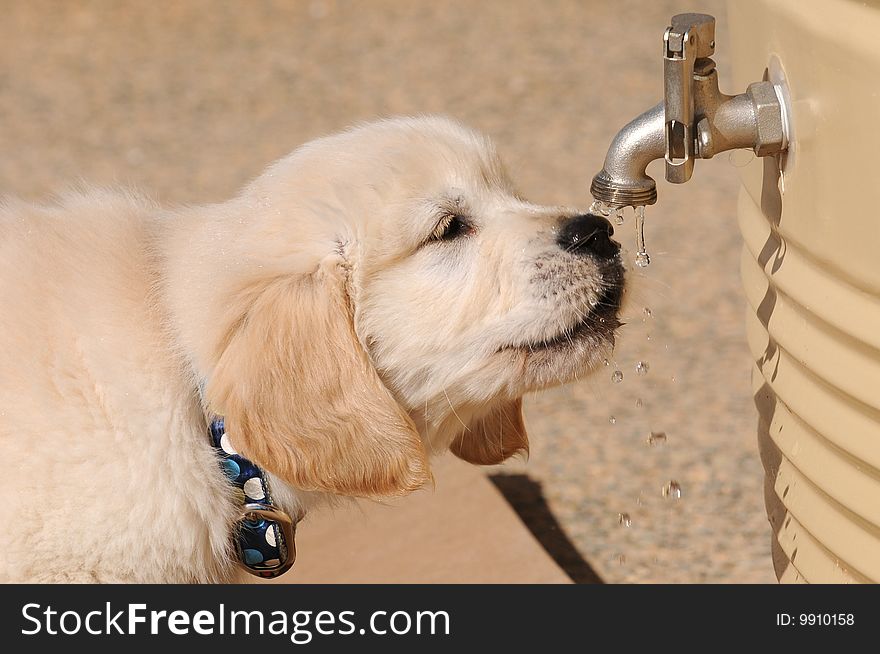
x: 695, y: 120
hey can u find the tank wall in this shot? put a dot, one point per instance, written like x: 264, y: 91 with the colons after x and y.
x: 811, y: 272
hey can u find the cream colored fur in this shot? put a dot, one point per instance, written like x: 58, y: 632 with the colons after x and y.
x: 340, y: 342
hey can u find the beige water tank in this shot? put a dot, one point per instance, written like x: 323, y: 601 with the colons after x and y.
x: 811, y: 271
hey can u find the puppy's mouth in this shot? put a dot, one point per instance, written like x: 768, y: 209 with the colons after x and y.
x: 599, y: 324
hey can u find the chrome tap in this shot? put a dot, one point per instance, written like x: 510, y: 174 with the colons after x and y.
x: 694, y: 120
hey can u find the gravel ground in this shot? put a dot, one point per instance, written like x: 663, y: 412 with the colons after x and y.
x: 188, y: 100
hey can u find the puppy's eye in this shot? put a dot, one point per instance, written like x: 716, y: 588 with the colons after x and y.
x: 451, y: 227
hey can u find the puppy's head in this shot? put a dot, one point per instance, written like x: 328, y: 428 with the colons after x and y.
x: 393, y: 296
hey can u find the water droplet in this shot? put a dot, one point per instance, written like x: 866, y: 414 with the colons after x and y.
x: 672, y: 490
x: 620, y: 558
x: 642, y: 368
x: 642, y: 258
x: 647, y: 312
x: 617, y: 376
x: 624, y: 520
x: 600, y: 208
x: 639, y: 403
x: 612, y: 419
x: 606, y: 362
x: 657, y: 438
x: 618, y: 216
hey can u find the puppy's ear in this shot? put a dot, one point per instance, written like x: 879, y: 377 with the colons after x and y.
x: 495, y: 437
x: 300, y: 397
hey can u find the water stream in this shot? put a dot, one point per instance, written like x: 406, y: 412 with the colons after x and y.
x: 616, y: 214
x: 642, y: 258
x: 660, y: 498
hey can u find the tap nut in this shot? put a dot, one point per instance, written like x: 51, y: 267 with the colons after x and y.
x: 768, y: 119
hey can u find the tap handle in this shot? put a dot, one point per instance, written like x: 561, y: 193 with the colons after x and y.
x: 690, y: 37
x: 699, y: 27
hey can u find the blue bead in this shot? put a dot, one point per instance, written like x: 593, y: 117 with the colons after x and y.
x: 252, y: 557
x: 231, y: 468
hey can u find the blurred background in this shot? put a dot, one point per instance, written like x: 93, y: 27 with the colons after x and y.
x: 189, y: 100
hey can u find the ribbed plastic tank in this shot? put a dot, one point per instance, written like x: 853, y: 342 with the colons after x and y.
x: 811, y: 272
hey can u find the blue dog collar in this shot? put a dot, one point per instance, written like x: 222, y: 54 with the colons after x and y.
x: 264, y: 535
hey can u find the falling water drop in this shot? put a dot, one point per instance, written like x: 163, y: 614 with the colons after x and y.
x: 606, y: 362
x: 639, y: 403
x: 672, y: 490
x: 657, y: 438
x: 642, y: 368
x: 618, y: 216
x: 612, y: 419
x: 599, y: 207
x: 617, y: 376
x: 642, y: 258
x: 624, y: 520
x: 647, y: 312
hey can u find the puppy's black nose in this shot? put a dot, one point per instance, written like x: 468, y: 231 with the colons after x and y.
x: 587, y: 234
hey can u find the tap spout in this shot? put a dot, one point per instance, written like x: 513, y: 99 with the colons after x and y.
x: 694, y: 121
x: 623, y: 182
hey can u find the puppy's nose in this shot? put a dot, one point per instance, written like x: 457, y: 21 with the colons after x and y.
x: 587, y: 234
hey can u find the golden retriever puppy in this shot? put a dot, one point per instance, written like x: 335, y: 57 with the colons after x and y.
x: 373, y: 298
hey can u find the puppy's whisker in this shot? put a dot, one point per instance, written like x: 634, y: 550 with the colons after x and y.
x: 427, y: 422
x: 453, y: 411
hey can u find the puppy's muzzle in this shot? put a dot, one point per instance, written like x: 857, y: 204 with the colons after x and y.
x: 589, y: 235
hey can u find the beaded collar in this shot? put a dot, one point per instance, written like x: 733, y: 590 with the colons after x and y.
x: 264, y: 535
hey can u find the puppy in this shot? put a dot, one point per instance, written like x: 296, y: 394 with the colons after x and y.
x: 376, y: 297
